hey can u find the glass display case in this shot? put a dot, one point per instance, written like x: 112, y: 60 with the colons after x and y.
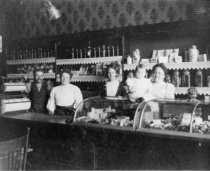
x: 173, y: 115
x: 106, y: 111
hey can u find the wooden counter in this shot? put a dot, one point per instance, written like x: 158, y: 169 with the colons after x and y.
x: 58, y: 145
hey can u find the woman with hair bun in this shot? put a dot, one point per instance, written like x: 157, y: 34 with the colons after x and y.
x: 161, y: 89
x: 114, y: 87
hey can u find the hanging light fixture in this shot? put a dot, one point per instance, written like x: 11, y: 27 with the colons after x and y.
x: 51, y: 10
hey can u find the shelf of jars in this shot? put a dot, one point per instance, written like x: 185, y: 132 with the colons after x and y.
x: 201, y: 90
x: 87, y: 60
x: 31, y: 61
x: 172, y: 66
x: 30, y: 75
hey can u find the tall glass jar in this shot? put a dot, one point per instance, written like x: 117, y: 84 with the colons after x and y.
x: 199, y: 79
x: 193, y: 54
x: 176, y: 80
x: 186, y: 78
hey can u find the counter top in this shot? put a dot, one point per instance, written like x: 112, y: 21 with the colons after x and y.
x: 42, y: 117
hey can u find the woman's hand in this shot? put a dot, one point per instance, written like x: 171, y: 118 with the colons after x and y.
x: 50, y: 113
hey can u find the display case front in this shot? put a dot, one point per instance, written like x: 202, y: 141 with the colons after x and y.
x: 106, y: 111
x: 173, y: 115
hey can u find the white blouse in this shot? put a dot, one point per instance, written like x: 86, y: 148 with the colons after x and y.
x: 112, y: 87
x: 163, y: 90
x: 64, y: 95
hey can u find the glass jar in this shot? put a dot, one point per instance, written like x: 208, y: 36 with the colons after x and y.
x: 208, y: 81
x: 199, y: 79
x: 168, y: 79
x: 186, y: 79
x: 193, y: 54
x: 176, y: 79
x: 129, y: 60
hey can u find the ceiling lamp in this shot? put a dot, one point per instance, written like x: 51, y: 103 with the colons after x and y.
x: 52, y: 11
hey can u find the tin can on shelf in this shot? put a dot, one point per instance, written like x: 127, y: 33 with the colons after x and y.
x: 186, y: 78
x: 199, y: 79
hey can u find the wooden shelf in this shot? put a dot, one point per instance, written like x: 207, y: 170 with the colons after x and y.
x: 88, y: 60
x: 183, y: 65
x: 201, y: 90
x: 46, y: 75
x: 31, y: 61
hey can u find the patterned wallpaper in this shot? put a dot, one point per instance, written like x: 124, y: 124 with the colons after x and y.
x: 26, y: 20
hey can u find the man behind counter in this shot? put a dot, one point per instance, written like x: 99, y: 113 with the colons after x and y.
x: 65, y: 97
x: 39, y: 93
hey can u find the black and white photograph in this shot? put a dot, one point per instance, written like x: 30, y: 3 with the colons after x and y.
x: 104, y: 85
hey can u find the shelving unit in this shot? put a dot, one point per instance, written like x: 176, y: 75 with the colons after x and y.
x: 85, y: 61
x: 179, y: 66
x: 30, y: 76
x: 201, y: 90
x: 31, y: 61
x: 173, y: 66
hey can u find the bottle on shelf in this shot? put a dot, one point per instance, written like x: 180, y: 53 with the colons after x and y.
x: 103, y: 51
x: 35, y: 53
x: 72, y: 53
x: 41, y: 53
x: 113, y: 53
x: 26, y: 54
x: 29, y: 54
x: 109, y: 54
x: 89, y: 50
x: 77, y: 53
x: 94, y: 52
x: 199, y: 78
x: 80, y: 53
x: 118, y: 51
x: 48, y: 53
x: 186, y: 79
x: 99, y: 51
x: 44, y: 53
x: 52, y: 52
x: 20, y: 54
x: 193, y: 54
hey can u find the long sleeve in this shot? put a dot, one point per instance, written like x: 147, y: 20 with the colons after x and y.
x: 170, y: 91
x: 78, y: 97
x: 121, y: 90
x: 51, y: 102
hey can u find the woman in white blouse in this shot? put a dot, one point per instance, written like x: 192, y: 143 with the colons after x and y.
x: 64, y: 97
x: 114, y: 87
x: 161, y: 89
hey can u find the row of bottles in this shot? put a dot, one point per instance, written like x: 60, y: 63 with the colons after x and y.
x: 186, y: 79
x: 28, y: 69
x: 30, y: 53
x: 71, y: 52
x: 89, y: 69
